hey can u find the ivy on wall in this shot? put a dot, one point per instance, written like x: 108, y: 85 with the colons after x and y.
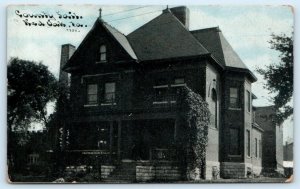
x: 194, y: 119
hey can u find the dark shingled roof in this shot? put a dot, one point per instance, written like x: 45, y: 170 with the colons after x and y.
x: 214, y: 41
x: 121, y: 38
x: 164, y: 37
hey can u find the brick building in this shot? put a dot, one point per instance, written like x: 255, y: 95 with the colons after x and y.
x: 272, y: 153
x: 123, y: 99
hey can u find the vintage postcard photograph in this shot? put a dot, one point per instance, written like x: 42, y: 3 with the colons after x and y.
x: 149, y: 94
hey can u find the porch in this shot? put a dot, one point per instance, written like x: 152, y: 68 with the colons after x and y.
x: 110, y: 142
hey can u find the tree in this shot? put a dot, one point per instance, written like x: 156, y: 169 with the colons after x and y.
x: 279, y: 76
x: 30, y: 87
x: 194, y: 119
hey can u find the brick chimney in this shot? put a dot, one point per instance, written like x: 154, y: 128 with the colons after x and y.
x: 183, y: 14
x: 67, y: 51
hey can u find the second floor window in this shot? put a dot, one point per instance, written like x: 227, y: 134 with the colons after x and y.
x: 234, y: 98
x: 248, y: 101
x: 92, y: 94
x: 102, y: 53
x: 110, y: 92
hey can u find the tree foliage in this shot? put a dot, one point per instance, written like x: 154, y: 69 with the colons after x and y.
x: 194, y: 118
x: 30, y: 87
x: 279, y: 76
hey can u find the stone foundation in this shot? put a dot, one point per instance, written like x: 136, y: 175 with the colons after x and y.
x: 106, y: 170
x: 146, y: 173
x: 233, y: 170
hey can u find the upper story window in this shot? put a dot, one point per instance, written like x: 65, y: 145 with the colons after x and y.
x: 214, y: 113
x: 248, y: 101
x: 110, y: 92
x: 178, y: 83
x: 234, y: 98
x: 92, y: 94
x: 103, y: 53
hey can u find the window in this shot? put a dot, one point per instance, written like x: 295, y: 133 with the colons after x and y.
x: 214, y: 118
x: 102, y: 53
x: 248, y: 143
x: 234, y: 148
x: 175, y: 88
x: 256, y: 148
x: 260, y: 149
x: 110, y: 92
x: 234, y: 98
x: 92, y: 93
x: 161, y: 91
x: 248, y: 101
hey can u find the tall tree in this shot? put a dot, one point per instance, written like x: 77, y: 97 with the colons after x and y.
x: 30, y: 87
x: 279, y: 76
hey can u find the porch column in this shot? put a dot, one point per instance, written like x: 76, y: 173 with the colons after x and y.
x: 119, y: 139
x: 110, y: 140
x: 175, y: 129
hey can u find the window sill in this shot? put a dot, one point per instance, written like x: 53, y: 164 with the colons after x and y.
x: 108, y: 104
x: 236, y: 109
x: 90, y: 105
x: 162, y: 102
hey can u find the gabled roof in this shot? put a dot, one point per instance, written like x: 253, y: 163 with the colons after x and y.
x: 122, y: 39
x: 164, y: 37
x: 118, y: 36
x: 214, y: 41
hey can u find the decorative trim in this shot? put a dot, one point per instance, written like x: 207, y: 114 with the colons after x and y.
x: 95, y: 75
x: 90, y: 105
x: 162, y: 102
x: 160, y: 86
x: 108, y: 104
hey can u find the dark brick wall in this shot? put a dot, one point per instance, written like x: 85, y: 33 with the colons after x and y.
x: 232, y: 117
x: 272, y: 156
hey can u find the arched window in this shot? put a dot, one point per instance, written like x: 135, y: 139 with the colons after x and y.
x: 102, y: 53
x: 214, y: 108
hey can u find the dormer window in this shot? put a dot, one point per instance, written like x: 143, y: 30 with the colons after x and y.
x: 102, y: 53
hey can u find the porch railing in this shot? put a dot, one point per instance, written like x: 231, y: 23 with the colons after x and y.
x: 162, y: 154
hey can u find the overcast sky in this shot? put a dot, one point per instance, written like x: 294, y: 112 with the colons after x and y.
x: 247, y: 28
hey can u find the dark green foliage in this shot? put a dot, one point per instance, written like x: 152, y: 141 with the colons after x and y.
x: 30, y: 87
x: 279, y: 76
x: 194, y: 119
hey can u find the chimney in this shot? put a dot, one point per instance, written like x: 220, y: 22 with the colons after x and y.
x: 67, y: 51
x: 183, y: 15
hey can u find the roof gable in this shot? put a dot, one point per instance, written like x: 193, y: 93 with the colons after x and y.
x: 117, y: 36
x: 164, y: 37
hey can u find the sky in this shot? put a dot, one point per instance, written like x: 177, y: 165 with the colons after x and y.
x: 247, y: 28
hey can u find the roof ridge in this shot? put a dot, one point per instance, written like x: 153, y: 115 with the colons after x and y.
x: 188, y: 31
x: 207, y: 29
x: 145, y: 24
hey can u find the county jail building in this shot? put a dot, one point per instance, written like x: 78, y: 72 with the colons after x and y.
x: 123, y: 100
